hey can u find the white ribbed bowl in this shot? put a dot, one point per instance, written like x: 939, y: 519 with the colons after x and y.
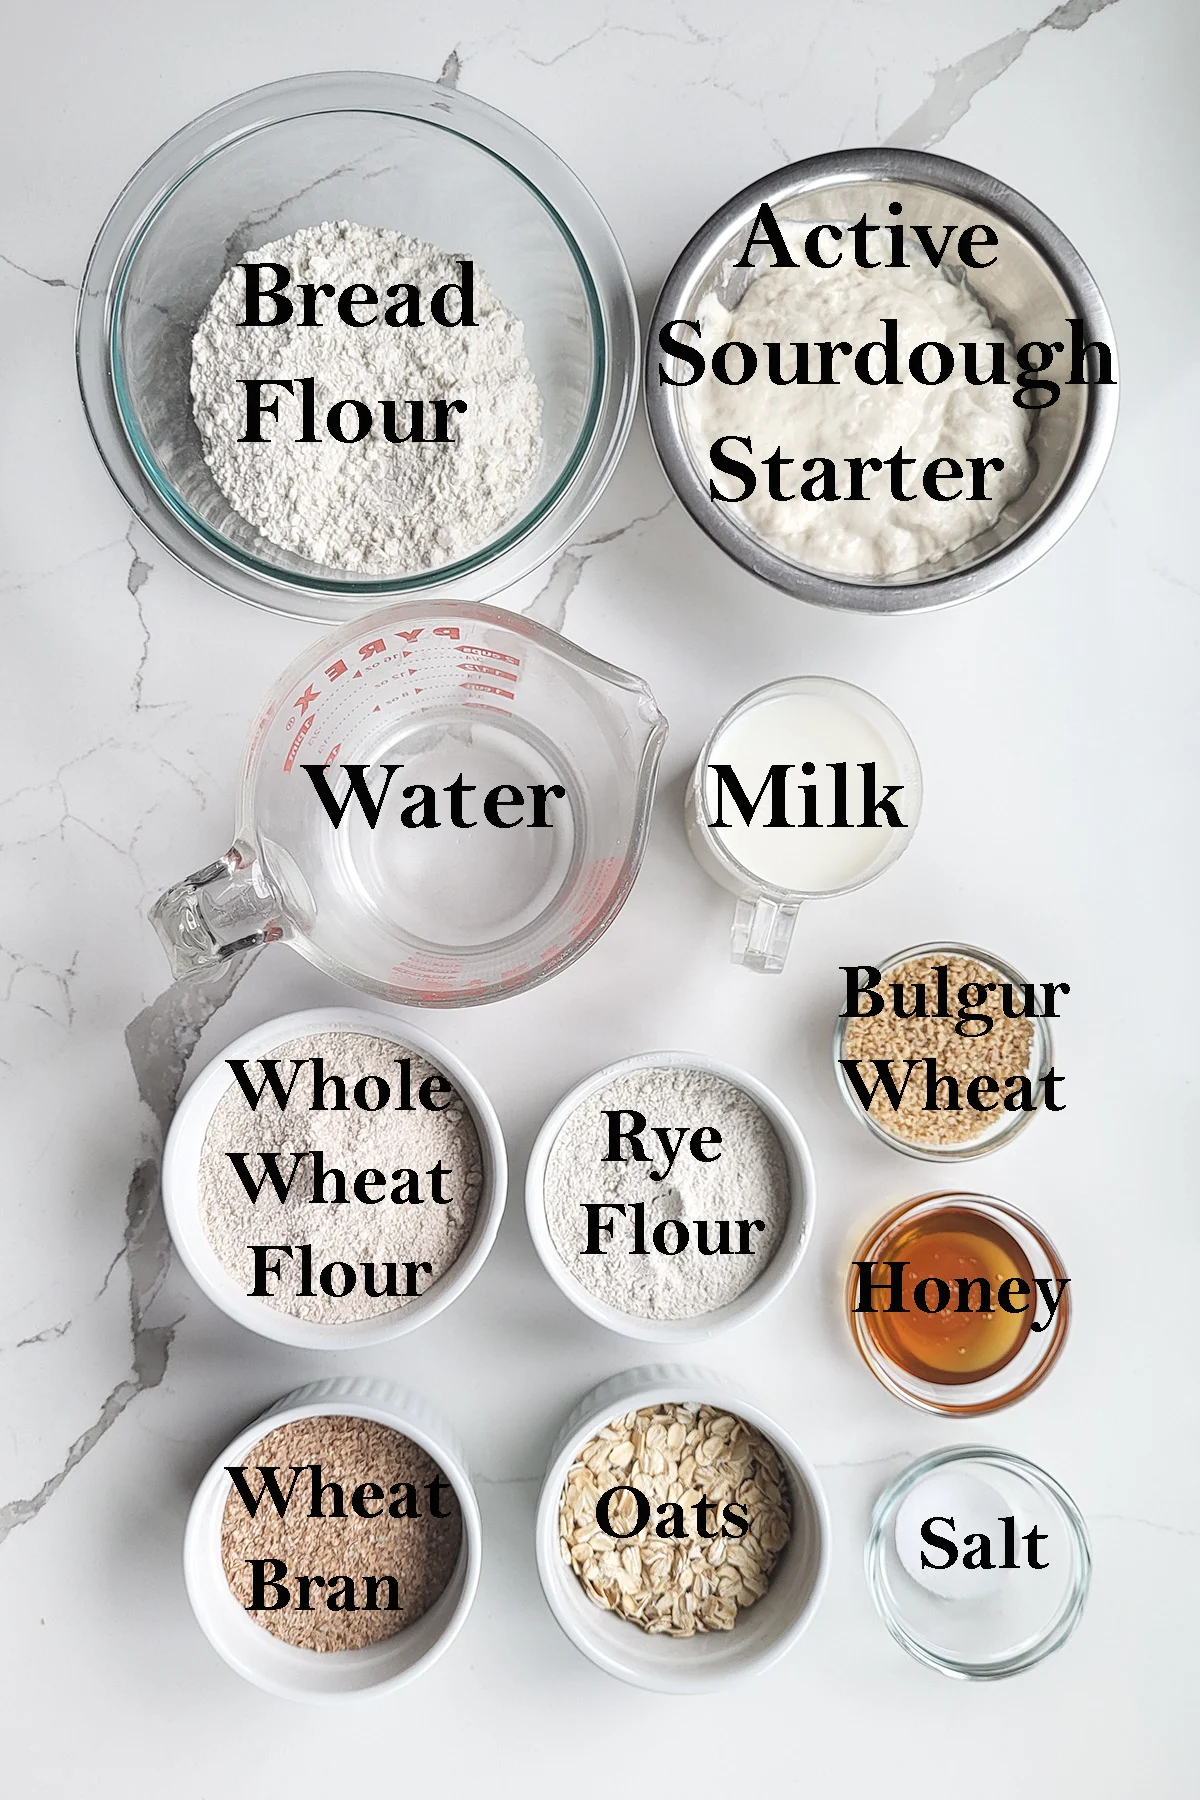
x: 322, y: 1676
x: 181, y: 1160
x: 709, y: 1660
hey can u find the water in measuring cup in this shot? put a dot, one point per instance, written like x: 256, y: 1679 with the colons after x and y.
x: 448, y: 887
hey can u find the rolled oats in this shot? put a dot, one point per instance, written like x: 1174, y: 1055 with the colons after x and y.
x: 676, y: 1453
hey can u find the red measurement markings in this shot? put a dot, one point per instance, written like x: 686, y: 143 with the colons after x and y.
x: 484, y: 687
x: 592, y: 892
x: 299, y: 738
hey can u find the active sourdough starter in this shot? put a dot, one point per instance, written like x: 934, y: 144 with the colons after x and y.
x: 879, y: 535
x: 372, y: 507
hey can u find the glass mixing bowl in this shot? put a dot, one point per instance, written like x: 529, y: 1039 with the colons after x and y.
x: 381, y: 150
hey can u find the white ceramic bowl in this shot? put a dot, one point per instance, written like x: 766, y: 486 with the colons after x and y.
x: 709, y: 1660
x: 328, y: 1676
x: 774, y: 1277
x: 181, y: 1158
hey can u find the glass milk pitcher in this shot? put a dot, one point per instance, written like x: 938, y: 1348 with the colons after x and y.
x: 795, y: 797
x: 439, y: 804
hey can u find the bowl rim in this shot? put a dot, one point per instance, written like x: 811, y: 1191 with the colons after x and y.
x: 180, y: 1202
x: 363, y: 1397
x: 962, y: 180
x: 1041, y: 1063
x: 610, y: 301
x: 1057, y: 1631
x: 775, y: 1276
x: 628, y: 1391
x: 368, y: 587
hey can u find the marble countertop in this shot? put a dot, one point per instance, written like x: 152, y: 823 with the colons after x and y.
x: 1057, y: 725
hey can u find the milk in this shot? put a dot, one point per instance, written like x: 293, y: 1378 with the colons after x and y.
x: 824, y: 823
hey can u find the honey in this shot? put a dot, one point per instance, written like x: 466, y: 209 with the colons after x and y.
x: 944, y: 1296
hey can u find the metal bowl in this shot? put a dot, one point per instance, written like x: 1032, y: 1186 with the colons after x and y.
x: 1036, y: 284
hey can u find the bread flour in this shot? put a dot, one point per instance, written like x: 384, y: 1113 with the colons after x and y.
x: 372, y: 507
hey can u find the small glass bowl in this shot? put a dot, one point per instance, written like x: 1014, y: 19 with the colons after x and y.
x: 1018, y: 1621
x: 381, y: 150
x: 1007, y: 1124
x: 1032, y: 1362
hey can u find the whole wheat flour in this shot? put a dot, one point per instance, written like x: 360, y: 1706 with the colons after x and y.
x: 421, y: 1228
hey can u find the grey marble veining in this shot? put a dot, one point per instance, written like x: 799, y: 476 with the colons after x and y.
x: 955, y: 86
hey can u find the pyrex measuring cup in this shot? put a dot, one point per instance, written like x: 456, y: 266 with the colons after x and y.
x: 460, y: 891
x: 819, y: 775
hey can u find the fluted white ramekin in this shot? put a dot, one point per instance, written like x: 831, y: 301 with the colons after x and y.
x: 764, y: 1631
x: 773, y: 1278
x: 321, y: 1676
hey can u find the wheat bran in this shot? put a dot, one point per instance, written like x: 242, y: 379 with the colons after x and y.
x: 420, y: 1552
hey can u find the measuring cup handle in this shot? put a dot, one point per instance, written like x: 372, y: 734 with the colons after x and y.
x: 761, y: 934
x: 210, y: 916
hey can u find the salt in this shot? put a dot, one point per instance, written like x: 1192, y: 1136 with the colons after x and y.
x: 952, y: 1505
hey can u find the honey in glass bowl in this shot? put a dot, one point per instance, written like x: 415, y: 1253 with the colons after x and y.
x: 958, y: 1303
x: 954, y: 1328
